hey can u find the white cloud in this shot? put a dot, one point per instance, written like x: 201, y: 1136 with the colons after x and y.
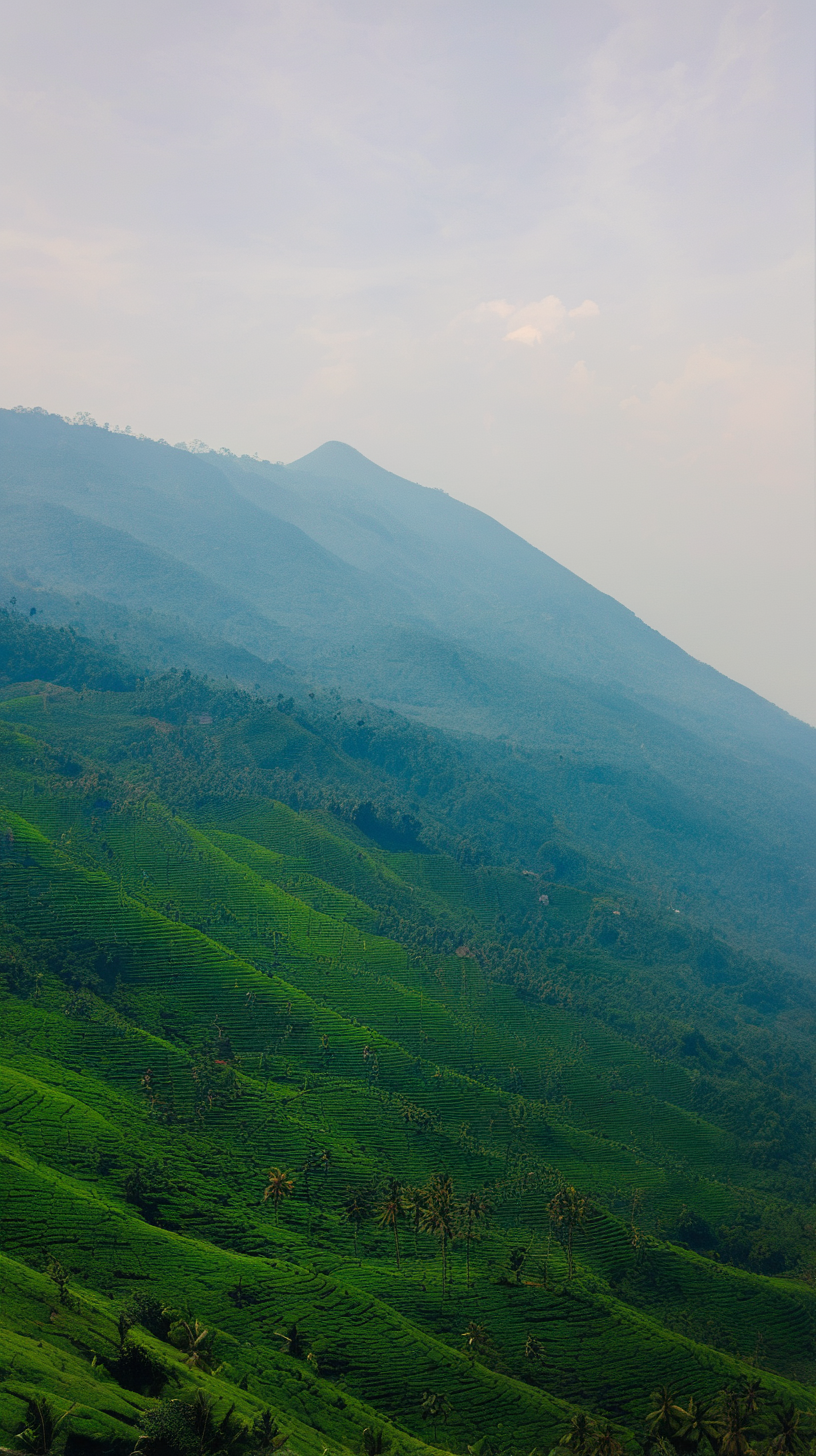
x: 579, y: 376
x: 501, y: 307
x: 587, y: 309
x: 547, y: 315
x: 525, y: 335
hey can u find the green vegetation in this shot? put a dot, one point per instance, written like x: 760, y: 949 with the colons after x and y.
x: 321, y: 1131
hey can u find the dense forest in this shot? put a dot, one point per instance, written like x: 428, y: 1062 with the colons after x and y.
x: 350, y: 1104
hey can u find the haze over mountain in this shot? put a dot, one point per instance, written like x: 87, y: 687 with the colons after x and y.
x: 333, y: 573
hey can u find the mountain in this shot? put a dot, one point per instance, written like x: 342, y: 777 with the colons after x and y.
x: 331, y: 573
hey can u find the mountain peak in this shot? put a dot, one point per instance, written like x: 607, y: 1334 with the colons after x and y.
x: 335, y: 460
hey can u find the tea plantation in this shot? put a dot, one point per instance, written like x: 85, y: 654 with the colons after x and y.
x: 317, y: 1136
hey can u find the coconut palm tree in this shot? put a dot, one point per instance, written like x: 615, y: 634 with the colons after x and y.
x: 197, y: 1343
x: 475, y: 1208
x: 414, y: 1202
x: 580, y: 1435
x: 439, y: 1216
x: 751, y: 1392
x: 696, y: 1423
x: 265, y: 1436
x: 292, y: 1340
x: 435, y: 1407
x: 661, y: 1420
x: 533, y: 1349
x: 736, y: 1426
x: 477, y: 1341
x: 41, y: 1425
x: 390, y: 1212
x: 568, y: 1209
x: 606, y: 1443
x: 355, y: 1212
x: 280, y: 1186
x: 790, y: 1436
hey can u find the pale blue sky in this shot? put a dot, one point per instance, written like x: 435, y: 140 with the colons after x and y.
x: 557, y: 259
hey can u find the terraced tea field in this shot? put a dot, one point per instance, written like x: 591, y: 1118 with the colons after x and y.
x: 427, y: 1056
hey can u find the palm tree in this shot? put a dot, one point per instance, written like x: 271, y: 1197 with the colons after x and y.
x: 40, y: 1429
x: 293, y: 1341
x: 414, y: 1202
x: 355, y: 1212
x: 533, y: 1349
x: 439, y: 1216
x: 435, y: 1408
x: 568, y: 1209
x: 391, y: 1211
x: 477, y: 1341
x: 197, y: 1345
x: 789, y: 1438
x: 474, y: 1208
x: 751, y: 1392
x: 605, y: 1443
x: 280, y: 1186
x: 580, y: 1435
x: 265, y: 1436
x: 735, y: 1438
x: 662, y: 1418
x: 696, y: 1422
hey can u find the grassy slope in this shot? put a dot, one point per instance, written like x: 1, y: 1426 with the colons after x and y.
x: 258, y: 927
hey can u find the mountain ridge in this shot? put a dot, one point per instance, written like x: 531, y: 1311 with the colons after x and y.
x: 389, y: 592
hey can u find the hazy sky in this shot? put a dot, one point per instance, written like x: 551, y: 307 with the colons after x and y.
x: 556, y: 258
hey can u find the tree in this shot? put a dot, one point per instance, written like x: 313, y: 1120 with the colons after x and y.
x: 534, y: 1350
x: 265, y: 1437
x: 280, y: 1186
x: 662, y: 1418
x: 355, y: 1212
x: 474, y: 1209
x: 390, y: 1213
x: 60, y: 1276
x: 439, y: 1216
x: 516, y: 1259
x: 194, y: 1340
x: 606, y: 1443
x: 435, y: 1407
x: 580, y: 1434
x: 568, y: 1209
x: 789, y: 1438
x: 41, y: 1425
x: 751, y: 1392
x: 695, y: 1423
x: 736, y: 1426
x: 293, y: 1341
x: 190, y: 1428
x: 414, y: 1202
x: 477, y: 1341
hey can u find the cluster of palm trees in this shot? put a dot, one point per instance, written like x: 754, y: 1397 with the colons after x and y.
x: 733, y: 1424
x: 739, y: 1422
x: 431, y: 1208
x: 567, y: 1211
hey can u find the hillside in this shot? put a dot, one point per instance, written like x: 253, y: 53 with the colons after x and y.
x: 535, y: 1144
x: 331, y: 574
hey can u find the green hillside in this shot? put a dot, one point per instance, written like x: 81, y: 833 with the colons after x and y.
x: 532, y: 1148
